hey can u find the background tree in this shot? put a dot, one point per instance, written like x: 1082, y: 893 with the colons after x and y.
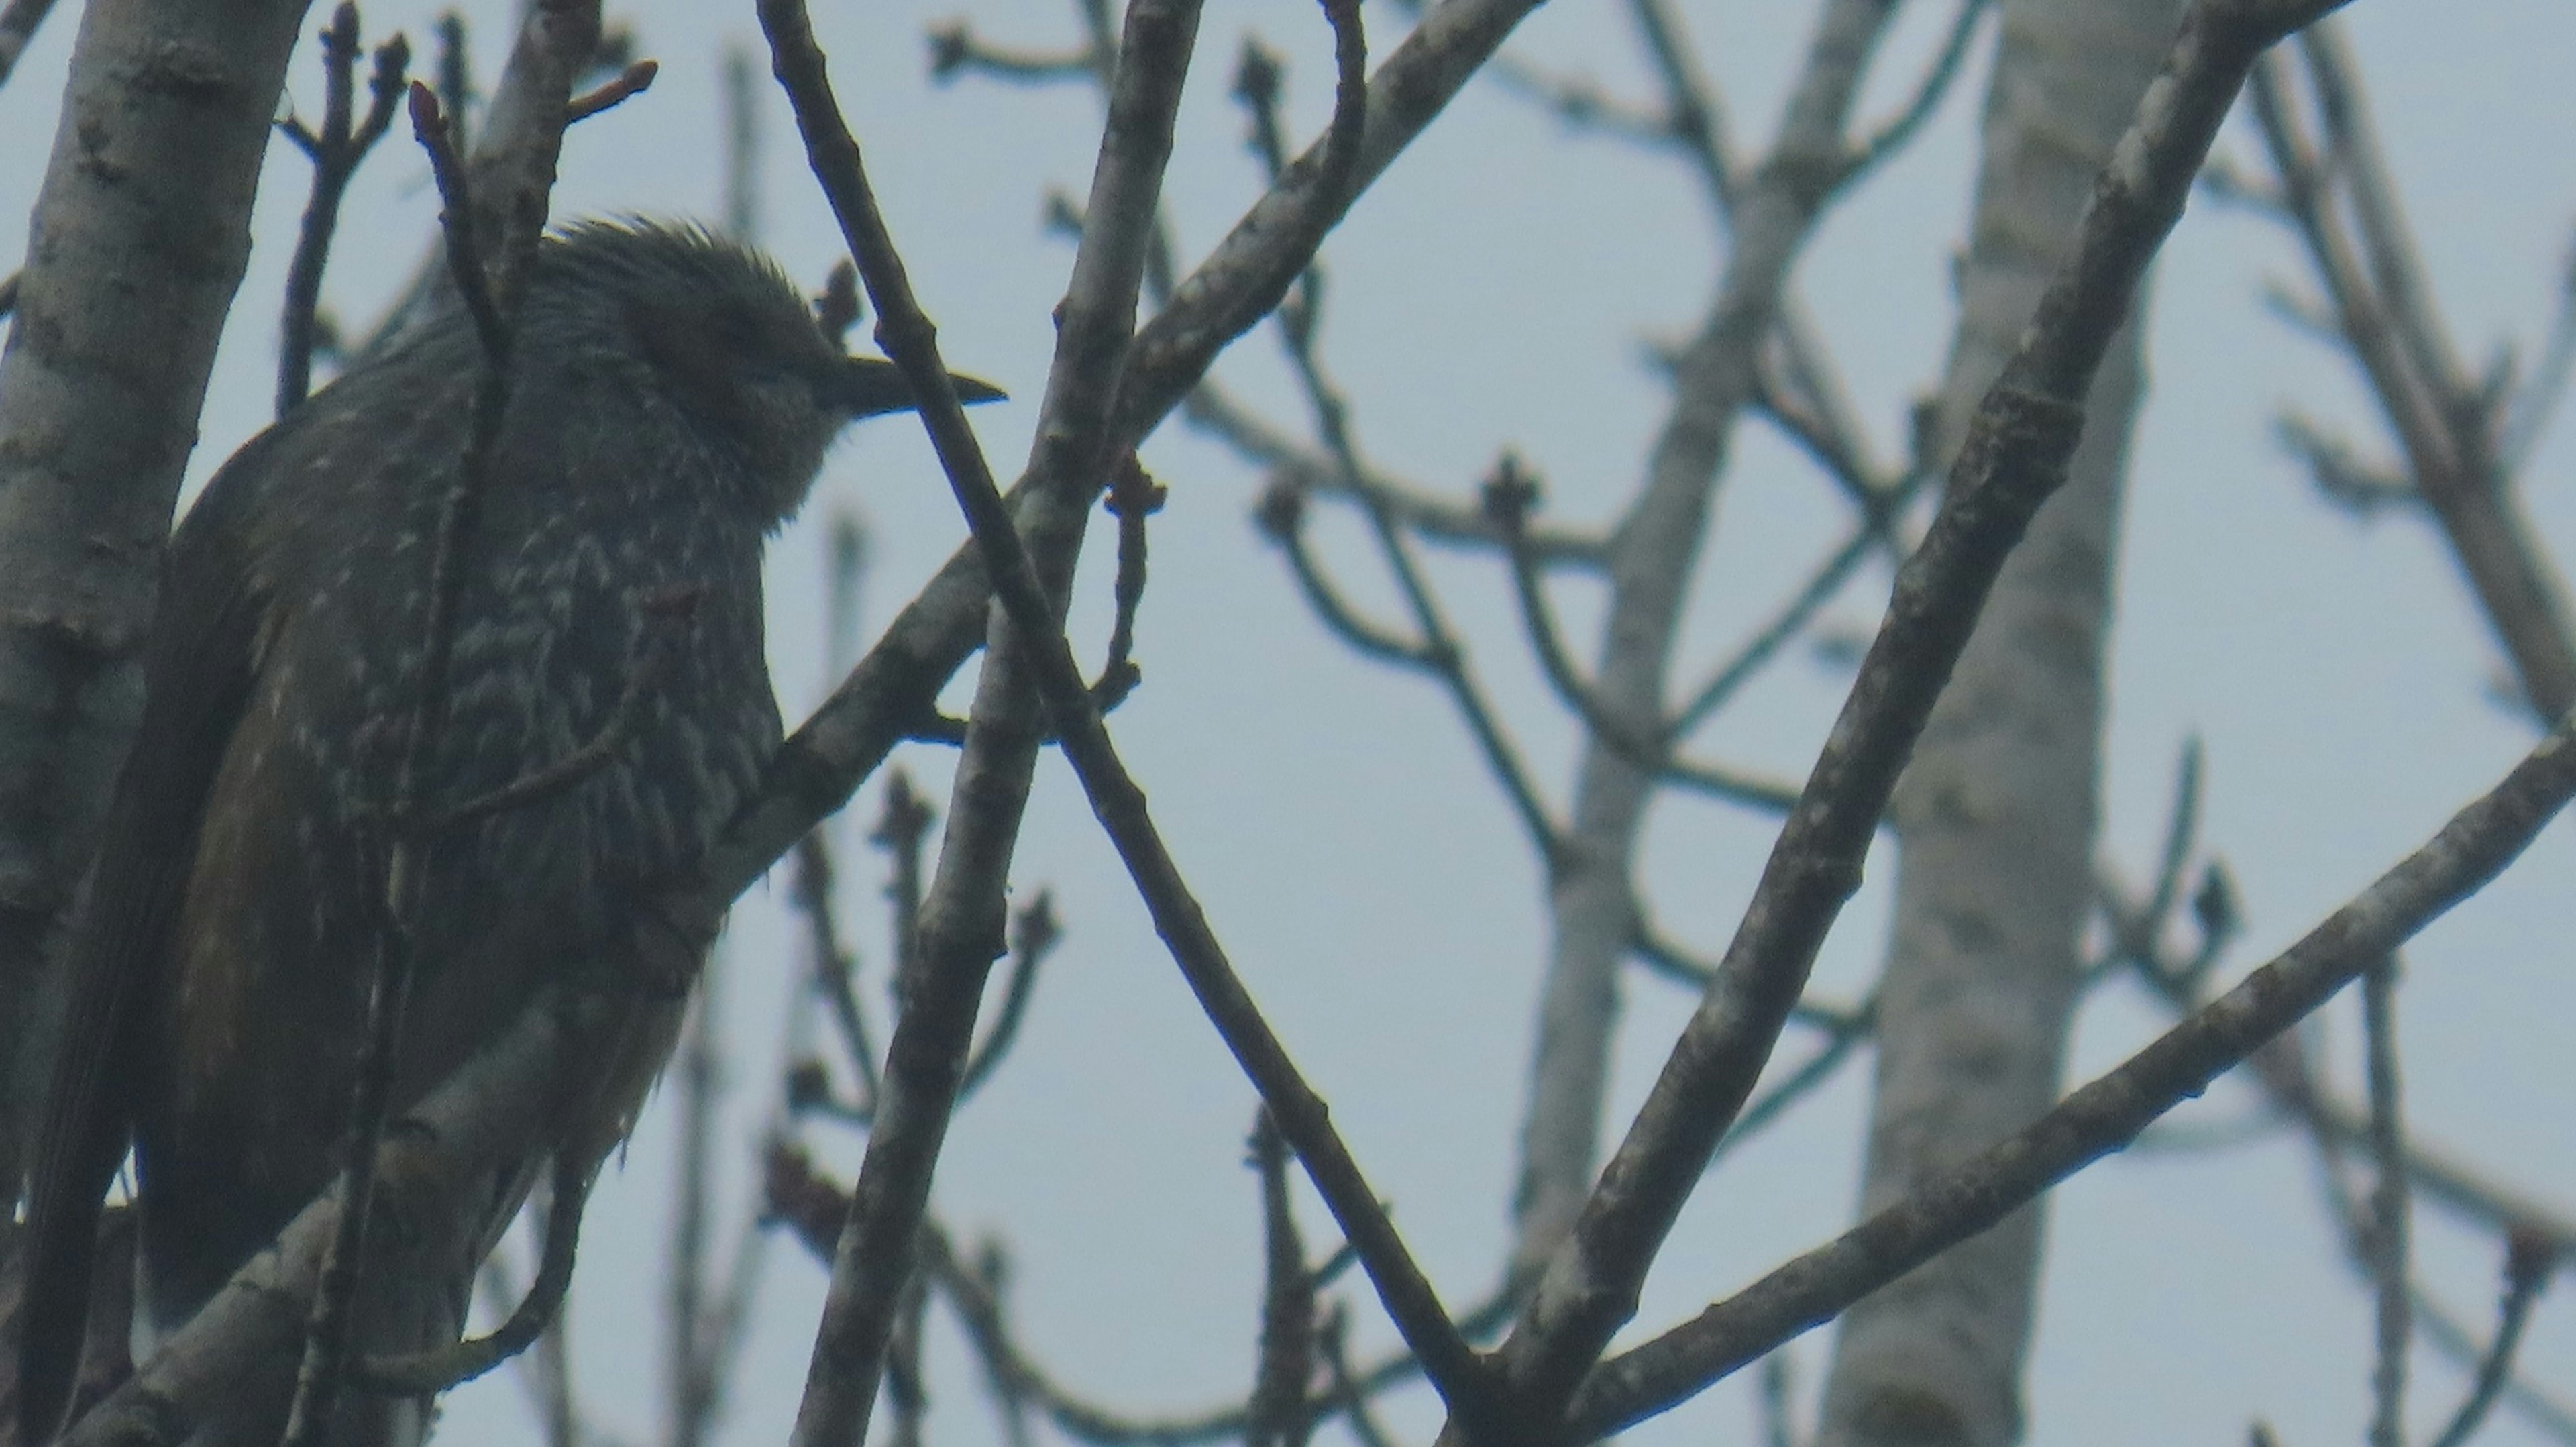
x: 1485, y: 301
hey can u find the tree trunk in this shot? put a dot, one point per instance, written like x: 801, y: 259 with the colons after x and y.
x: 137, y: 245
x: 1995, y: 817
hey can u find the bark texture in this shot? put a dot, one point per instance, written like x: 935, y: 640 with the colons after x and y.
x: 137, y: 245
x: 1996, y: 814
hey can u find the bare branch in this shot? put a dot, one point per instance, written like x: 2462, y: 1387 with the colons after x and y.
x: 18, y: 22
x: 419, y: 1373
x: 633, y: 81
x: 2390, y: 1258
x: 490, y: 291
x: 955, y: 49
x: 429, y: 1171
x: 1297, y: 465
x: 2527, y: 416
x: 1650, y: 747
x: 335, y: 154
x: 1951, y: 1205
x: 1277, y: 1416
x: 1034, y: 936
x: 876, y: 1254
x: 2527, y: 1266
x: 1892, y: 137
x: 2443, y: 419
x: 2013, y: 459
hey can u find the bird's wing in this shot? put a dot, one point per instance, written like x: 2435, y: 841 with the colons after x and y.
x: 199, y: 665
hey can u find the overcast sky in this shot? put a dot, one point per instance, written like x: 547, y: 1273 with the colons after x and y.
x: 1501, y: 287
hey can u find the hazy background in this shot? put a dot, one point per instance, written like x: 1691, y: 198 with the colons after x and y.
x: 1499, y: 287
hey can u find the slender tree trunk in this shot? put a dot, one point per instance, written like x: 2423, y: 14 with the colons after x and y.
x: 1995, y: 817
x: 137, y: 245
x: 1650, y: 570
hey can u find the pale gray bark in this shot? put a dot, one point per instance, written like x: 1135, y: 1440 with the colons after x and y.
x: 1996, y: 815
x: 137, y: 244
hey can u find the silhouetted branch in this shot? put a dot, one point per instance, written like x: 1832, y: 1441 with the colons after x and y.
x: 490, y: 294
x: 1297, y: 465
x: 834, y: 971
x: 1935, y: 85
x: 2445, y: 421
x: 955, y: 49
x: 1951, y: 1205
x: 18, y: 22
x: 2527, y: 1266
x: 1276, y: 1415
x: 2527, y: 415
x: 633, y: 81
x: 420, y: 1373
x: 1134, y: 496
x: 1034, y: 936
x: 1649, y: 747
x: 432, y: 1172
x: 2013, y: 459
x: 335, y: 154
x: 2389, y: 1253
x: 1282, y: 518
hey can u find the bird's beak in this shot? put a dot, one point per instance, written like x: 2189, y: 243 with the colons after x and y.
x: 872, y: 386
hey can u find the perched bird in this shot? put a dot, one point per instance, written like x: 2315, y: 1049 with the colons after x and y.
x: 670, y: 401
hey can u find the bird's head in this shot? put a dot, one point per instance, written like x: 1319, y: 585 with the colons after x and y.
x: 729, y: 340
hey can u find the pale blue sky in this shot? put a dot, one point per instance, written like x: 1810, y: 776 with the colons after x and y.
x: 1497, y: 289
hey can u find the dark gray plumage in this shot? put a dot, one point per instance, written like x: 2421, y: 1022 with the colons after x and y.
x: 670, y: 403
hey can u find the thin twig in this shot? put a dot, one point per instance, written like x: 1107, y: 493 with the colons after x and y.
x: 878, y: 1247
x: 326, y: 1352
x: 1892, y: 137
x: 907, y: 1389
x: 18, y: 22
x: 2528, y: 1262
x: 1779, y: 1385
x: 698, y: 1086
x: 1793, y: 617
x: 1347, y: 1393
x: 657, y: 617
x: 2527, y: 416
x: 1282, y: 517
x: 1441, y: 652
x: 1950, y: 1206
x: 1276, y: 1416
x: 544, y: 1371
x: 2389, y: 1255
x: 2383, y: 315
x: 2013, y: 459
x: 1117, y: 802
x: 813, y: 1207
x: 1134, y: 496
x: 955, y: 50
x: 1034, y: 936
x: 834, y: 970
x: 439, y: 1165
x: 1649, y: 747
x: 1293, y: 463
x: 421, y: 1373
x: 633, y: 81
x: 335, y: 154
x: 901, y: 827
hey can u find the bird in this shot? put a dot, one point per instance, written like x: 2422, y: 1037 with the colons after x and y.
x: 670, y: 399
